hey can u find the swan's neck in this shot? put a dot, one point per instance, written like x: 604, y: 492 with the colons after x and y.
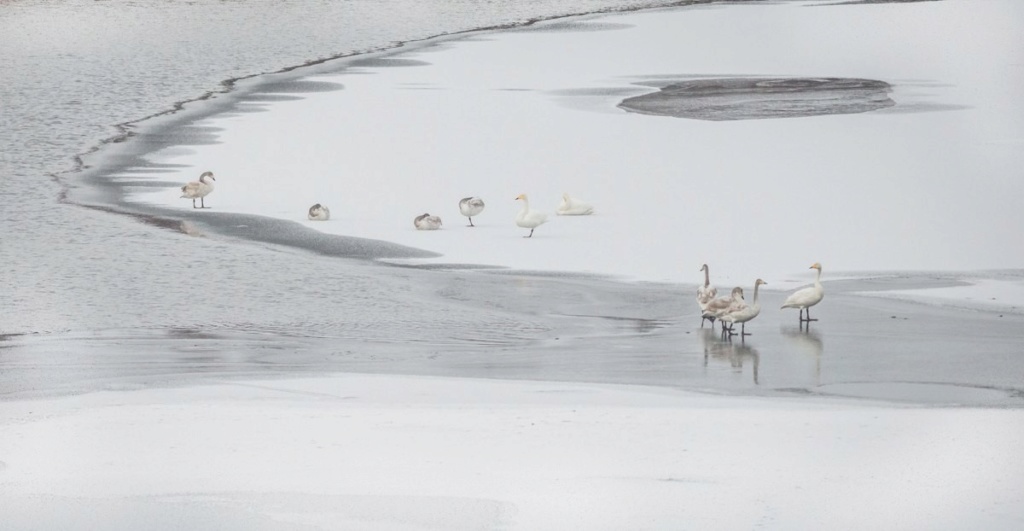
x: 817, y: 279
x: 707, y: 277
x: 526, y: 204
x: 756, y: 287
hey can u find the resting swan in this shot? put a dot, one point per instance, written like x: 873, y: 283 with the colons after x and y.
x: 199, y: 189
x: 529, y: 218
x: 807, y: 297
x: 717, y: 307
x: 319, y: 212
x: 471, y: 206
x: 427, y: 222
x: 574, y: 207
x: 743, y: 313
x: 705, y: 294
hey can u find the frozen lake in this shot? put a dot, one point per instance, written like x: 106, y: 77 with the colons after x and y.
x: 241, y: 367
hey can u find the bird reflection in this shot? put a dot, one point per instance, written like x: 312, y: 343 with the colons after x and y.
x: 809, y: 343
x: 725, y: 350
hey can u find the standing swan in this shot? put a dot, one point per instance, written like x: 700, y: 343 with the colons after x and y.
x: 529, y: 218
x: 719, y: 306
x: 427, y: 222
x: 199, y: 189
x: 807, y: 297
x: 319, y: 212
x: 743, y: 313
x: 471, y: 206
x: 705, y: 294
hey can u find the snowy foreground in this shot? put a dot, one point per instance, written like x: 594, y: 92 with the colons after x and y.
x: 391, y: 452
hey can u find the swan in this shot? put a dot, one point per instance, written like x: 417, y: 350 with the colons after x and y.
x: 529, y: 218
x: 807, y: 297
x: 319, y: 212
x: 706, y: 294
x: 199, y: 189
x: 743, y: 313
x: 427, y: 222
x: 471, y: 206
x: 574, y: 207
x: 719, y: 306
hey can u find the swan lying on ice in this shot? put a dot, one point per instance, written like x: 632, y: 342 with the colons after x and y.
x: 427, y: 222
x: 319, y: 212
x: 574, y: 207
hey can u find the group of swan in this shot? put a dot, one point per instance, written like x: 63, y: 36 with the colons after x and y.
x: 527, y: 218
x: 734, y: 308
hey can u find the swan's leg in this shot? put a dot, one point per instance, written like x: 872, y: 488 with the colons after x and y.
x: 530, y: 235
x: 194, y: 202
x: 202, y: 202
x: 802, y: 315
x: 471, y: 221
x: 809, y: 316
x: 743, y: 330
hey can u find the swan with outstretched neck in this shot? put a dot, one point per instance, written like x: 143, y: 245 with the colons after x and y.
x: 807, y: 297
x: 743, y: 313
x: 706, y: 294
x: 199, y: 189
x: 529, y: 218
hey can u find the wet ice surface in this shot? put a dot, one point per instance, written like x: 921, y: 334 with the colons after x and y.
x: 751, y: 99
x: 555, y: 328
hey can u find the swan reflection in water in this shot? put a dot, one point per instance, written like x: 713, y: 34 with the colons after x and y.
x: 725, y: 350
x: 808, y: 343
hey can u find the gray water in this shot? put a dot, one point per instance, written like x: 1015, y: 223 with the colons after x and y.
x: 104, y: 297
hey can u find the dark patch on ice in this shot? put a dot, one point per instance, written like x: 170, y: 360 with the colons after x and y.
x: 596, y: 91
x: 576, y: 26
x: 298, y: 86
x: 269, y: 98
x: 382, y: 62
x: 855, y: 2
x: 721, y: 99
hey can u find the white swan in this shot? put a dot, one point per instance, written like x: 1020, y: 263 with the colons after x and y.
x: 574, y: 207
x: 319, y: 212
x: 807, y: 297
x: 427, y: 222
x: 717, y: 307
x: 705, y: 294
x: 199, y: 189
x: 743, y: 313
x: 471, y: 206
x: 529, y: 218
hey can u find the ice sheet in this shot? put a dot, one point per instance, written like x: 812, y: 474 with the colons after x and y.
x: 390, y: 452
x: 917, y: 186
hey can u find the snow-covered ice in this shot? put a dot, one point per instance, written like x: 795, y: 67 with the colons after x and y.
x: 403, y: 453
x: 924, y: 185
